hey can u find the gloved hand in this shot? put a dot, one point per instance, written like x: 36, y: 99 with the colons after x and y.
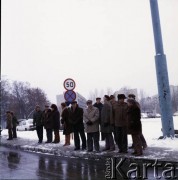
x: 89, y: 123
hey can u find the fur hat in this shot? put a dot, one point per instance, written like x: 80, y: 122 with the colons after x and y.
x: 121, y: 96
x: 107, y: 97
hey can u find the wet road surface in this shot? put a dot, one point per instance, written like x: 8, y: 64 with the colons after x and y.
x: 16, y: 164
x: 23, y: 165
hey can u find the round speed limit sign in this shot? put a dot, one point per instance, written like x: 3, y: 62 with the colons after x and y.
x: 69, y: 84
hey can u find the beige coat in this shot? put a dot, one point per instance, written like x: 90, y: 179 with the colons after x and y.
x: 120, y: 114
x: 93, y: 116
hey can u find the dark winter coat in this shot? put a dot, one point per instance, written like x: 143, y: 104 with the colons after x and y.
x: 55, y: 119
x: 37, y: 118
x: 47, y: 121
x: 120, y: 114
x: 134, y: 122
x: 9, y: 124
x: 99, y: 106
x: 14, y: 121
x: 76, y: 118
x: 106, y: 118
x: 65, y: 121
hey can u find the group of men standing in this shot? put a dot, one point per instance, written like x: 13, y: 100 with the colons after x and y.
x: 49, y: 119
x: 115, y: 120
x: 112, y: 121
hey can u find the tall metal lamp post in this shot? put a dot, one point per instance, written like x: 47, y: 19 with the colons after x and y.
x: 162, y: 74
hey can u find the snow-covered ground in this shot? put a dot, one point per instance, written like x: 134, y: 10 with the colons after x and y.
x: 151, y: 131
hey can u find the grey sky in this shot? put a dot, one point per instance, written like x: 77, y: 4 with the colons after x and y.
x: 98, y: 43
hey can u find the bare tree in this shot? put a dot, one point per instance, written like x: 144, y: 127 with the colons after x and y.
x: 109, y: 91
x: 4, y: 100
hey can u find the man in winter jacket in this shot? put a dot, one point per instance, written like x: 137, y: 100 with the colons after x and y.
x: 48, y: 124
x: 9, y: 124
x: 144, y: 143
x: 76, y: 121
x: 120, y: 122
x: 106, y: 124
x: 14, y: 123
x: 99, y: 105
x: 37, y: 121
x: 91, y: 120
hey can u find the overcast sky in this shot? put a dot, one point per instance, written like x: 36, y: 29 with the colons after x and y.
x: 98, y: 43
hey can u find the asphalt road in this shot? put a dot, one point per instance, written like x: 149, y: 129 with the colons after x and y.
x: 23, y: 165
x: 17, y: 165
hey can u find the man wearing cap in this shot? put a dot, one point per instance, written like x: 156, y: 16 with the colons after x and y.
x: 99, y: 105
x: 106, y: 124
x: 76, y: 121
x: 113, y: 102
x: 120, y: 121
x: 91, y: 122
x: 144, y: 144
x: 38, y: 122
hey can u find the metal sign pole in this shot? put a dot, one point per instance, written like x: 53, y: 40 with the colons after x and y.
x: 162, y: 74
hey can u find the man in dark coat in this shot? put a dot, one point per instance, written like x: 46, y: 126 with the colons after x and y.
x: 66, y: 124
x: 38, y: 122
x: 55, y: 118
x: 48, y: 124
x: 106, y: 124
x: 134, y: 126
x: 144, y: 143
x: 76, y: 121
x: 9, y: 124
x: 15, y: 123
x: 99, y: 105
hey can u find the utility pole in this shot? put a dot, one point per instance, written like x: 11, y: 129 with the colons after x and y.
x: 162, y: 74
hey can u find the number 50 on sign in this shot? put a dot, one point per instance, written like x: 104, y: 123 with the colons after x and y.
x: 69, y: 84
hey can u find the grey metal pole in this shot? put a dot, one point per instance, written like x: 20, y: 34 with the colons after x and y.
x: 162, y: 74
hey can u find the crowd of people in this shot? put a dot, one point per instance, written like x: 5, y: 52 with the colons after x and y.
x: 111, y: 121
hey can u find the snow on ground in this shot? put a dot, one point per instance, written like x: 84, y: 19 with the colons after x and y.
x: 151, y: 132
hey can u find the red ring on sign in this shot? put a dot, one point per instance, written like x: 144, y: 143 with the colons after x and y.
x: 72, y: 80
x: 70, y: 95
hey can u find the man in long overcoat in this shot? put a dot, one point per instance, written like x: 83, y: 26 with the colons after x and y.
x: 76, y: 121
x: 106, y: 124
x: 91, y: 120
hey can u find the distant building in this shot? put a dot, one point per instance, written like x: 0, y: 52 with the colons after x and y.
x: 79, y: 98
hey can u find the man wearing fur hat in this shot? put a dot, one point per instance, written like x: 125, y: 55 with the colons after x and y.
x: 120, y: 121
